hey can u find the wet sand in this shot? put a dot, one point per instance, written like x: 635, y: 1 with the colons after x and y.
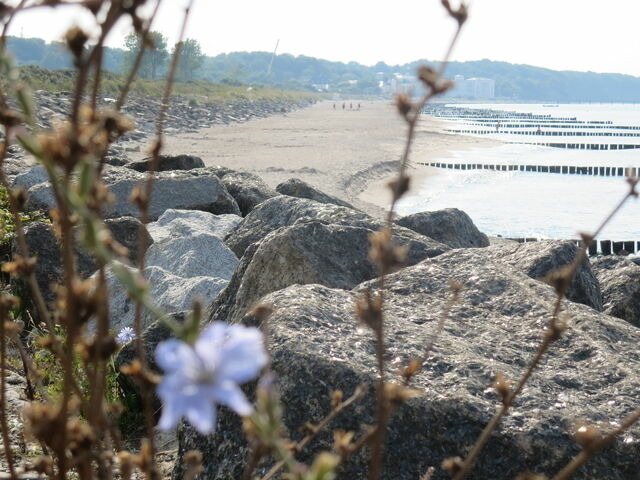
x: 347, y: 153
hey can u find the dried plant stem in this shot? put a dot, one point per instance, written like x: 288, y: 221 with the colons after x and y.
x: 8, y: 453
x: 5, y: 29
x: 100, y: 369
x: 357, y: 395
x: 144, y: 203
x: 605, y: 441
x: 28, y: 368
x: 138, y: 60
x: 32, y: 282
x: 23, y: 248
x: 382, y: 410
x: 446, y: 313
x: 382, y: 407
x: 469, y: 460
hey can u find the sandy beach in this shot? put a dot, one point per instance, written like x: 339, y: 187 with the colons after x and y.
x: 347, y: 153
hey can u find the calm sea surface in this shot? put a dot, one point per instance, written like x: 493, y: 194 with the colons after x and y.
x: 542, y: 205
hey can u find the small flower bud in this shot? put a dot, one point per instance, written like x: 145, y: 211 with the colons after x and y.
x: 503, y: 387
x: 399, y: 186
x: 460, y: 15
x: 587, y: 436
x: 560, y: 279
x: 76, y: 39
x: 429, y: 77
x: 411, y: 369
x: 396, y: 394
x: 369, y: 310
x: 336, y: 398
x: 633, y: 182
x: 384, y: 253
x: 5, y: 10
x: 403, y: 104
x: 452, y: 465
x: 19, y: 196
x: 342, y: 442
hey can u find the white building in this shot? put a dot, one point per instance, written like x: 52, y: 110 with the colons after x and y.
x: 476, y: 88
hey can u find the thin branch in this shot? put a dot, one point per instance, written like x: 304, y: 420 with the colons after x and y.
x: 357, y: 395
x: 144, y: 203
x: 3, y: 399
x: 594, y: 448
x: 138, y: 61
x: 382, y: 410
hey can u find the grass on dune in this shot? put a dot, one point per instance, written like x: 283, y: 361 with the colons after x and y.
x: 57, y: 81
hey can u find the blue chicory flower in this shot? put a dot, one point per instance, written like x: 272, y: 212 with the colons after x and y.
x: 199, y: 376
x: 126, y: 335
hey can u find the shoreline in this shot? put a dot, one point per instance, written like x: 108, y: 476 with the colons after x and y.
x: 350, y: 154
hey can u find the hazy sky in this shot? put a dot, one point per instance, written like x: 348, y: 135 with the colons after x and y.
x: 584, y: 35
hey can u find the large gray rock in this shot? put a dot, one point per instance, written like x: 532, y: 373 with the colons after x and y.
x: 589, y: 375
x: 313, y: 252
x: 183, y: 223
x: 201, y: 255
x: 44, y: 245
x: 15, y: 166
x: 282, y: 211
x: 31, y: 177
x: 619, y: 280
x: 247, y: 189
x: 294, y: 187
x: 538, y: 259
x: 169, y: 292
x: 450, y: 226
x: 168, y: 162
x: 180, y: 269
x: 197, y: 189
x: 127, y: 231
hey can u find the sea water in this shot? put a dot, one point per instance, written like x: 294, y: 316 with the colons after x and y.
x: 540, y: 205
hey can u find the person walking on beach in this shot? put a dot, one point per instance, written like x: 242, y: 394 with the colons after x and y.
x: 334, y: 105
x: 343, y: 105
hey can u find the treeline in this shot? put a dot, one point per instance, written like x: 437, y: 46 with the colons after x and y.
x: 154, y: 65
x: 513, y: 82
x: 54, y: 55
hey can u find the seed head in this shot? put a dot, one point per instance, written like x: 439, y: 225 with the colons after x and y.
x: 369, y: 310
x: 587, y: 436
x: 503, y: 386
x: 452, y: 465
x: 76, y: 39
x: 404, y: 105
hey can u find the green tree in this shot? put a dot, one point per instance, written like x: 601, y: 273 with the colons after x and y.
x: 191, y: 59
x: 154, y: 60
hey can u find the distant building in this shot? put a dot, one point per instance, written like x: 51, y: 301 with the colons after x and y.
x: 476, y: 88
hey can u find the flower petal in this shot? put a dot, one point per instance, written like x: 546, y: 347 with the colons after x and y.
x: 229, y: 394
x: 172, y: 411
x: 202, y: 415
x: 209, y: 344
x: 243, y: 354
x: 174, y: 356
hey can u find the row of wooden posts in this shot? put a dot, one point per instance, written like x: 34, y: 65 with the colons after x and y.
x: 544, y: 133
x: 559, y: 169
x: 549, y: 123
x: 599, y: 247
